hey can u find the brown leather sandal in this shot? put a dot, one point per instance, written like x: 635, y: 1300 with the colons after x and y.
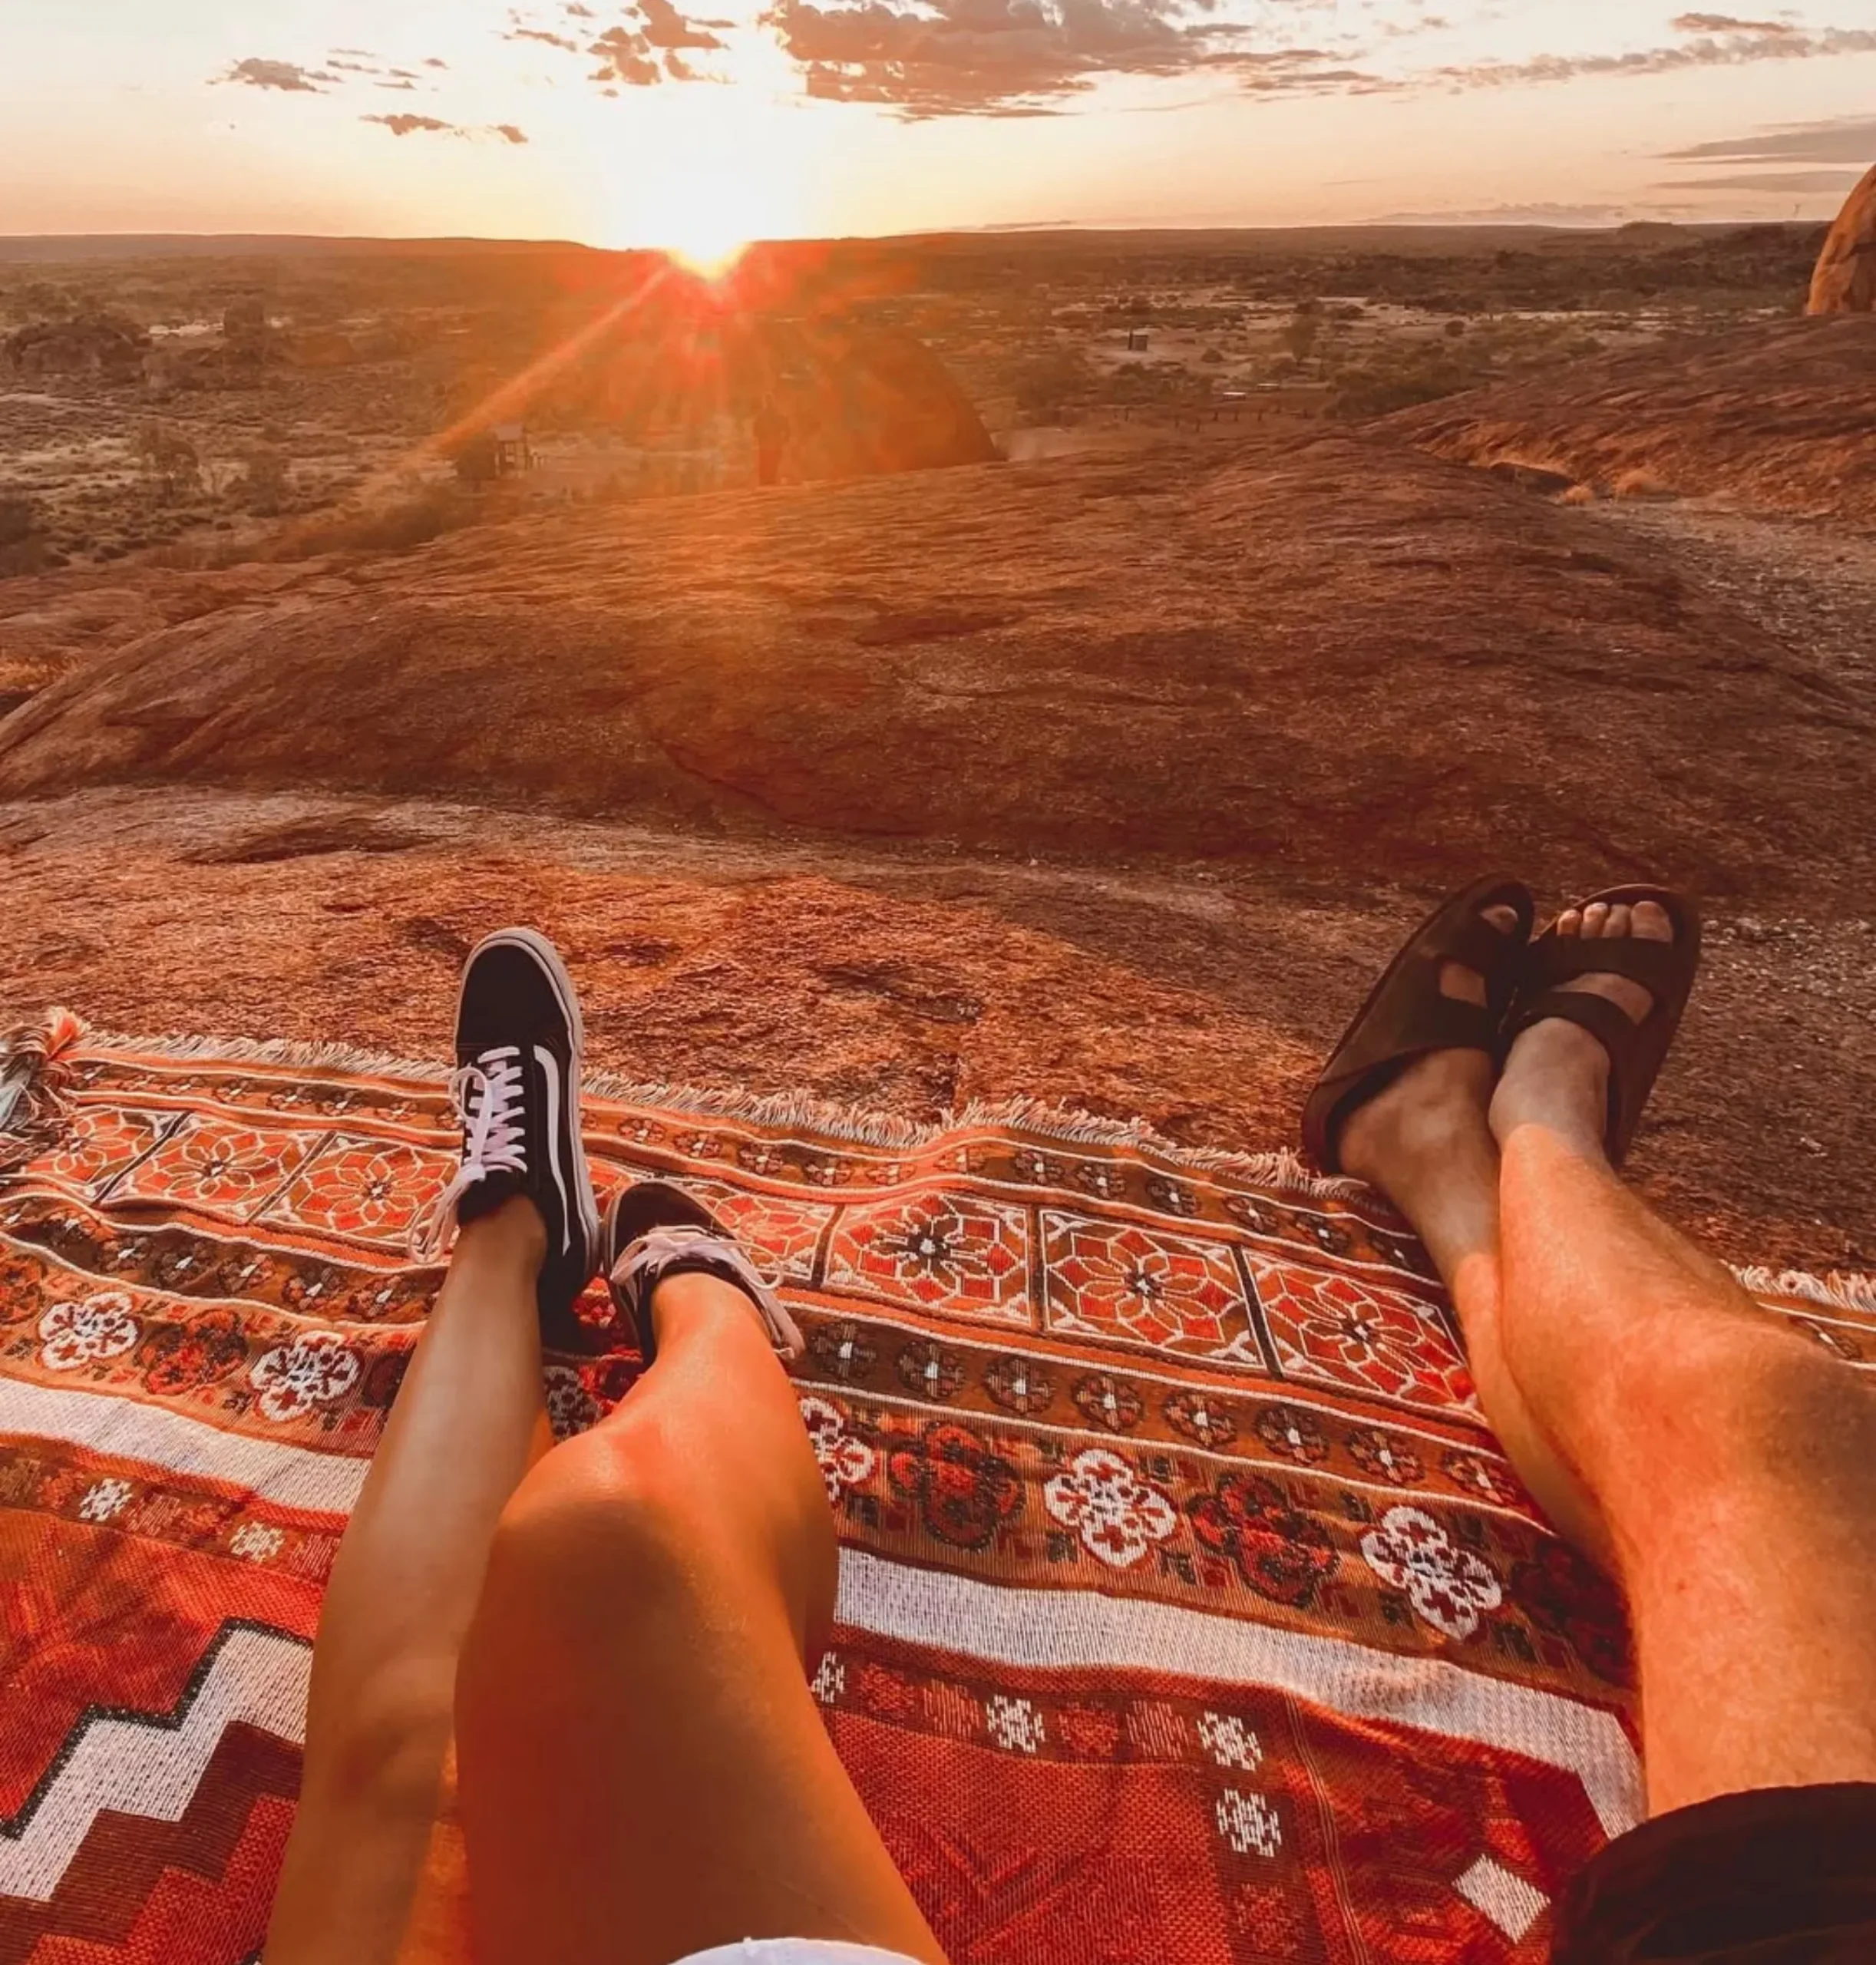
x: 1637, y: 1051
x: 1407, y: 1014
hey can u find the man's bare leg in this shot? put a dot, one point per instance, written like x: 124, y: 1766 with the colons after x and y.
x: 1732, y: 1460
x: 1425, y: 1143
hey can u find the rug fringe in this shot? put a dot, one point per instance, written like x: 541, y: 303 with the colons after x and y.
x: 1283, y: 1171
x: 1841, y: 1289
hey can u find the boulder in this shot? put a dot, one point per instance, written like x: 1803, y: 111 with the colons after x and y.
x: 1845, y: 280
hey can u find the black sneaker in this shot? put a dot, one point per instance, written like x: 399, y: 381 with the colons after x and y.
x: 519, y: 1039
x: 654, y: 1230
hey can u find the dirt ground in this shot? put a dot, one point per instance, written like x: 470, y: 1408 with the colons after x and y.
x: 908, y: 980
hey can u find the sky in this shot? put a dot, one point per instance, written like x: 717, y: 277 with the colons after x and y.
x: 632, y: 122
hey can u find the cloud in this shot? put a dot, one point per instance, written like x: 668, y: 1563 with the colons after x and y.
x: 639, y: 52
x: 624, y: 56
x: 1840, y: 140
x: 1015, y: 58
x: 666, y: 27
x: 1722, y: 42
x: 410, y: 125
x: 1728, y: 24
x: 1838, y: 183
x: 435, y: 126
x: 288, y: 76
x: 564, y: 42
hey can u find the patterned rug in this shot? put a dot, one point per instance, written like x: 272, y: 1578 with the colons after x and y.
x: 1187, y: 1611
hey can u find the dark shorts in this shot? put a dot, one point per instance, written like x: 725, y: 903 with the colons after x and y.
x: 1785, y: 1876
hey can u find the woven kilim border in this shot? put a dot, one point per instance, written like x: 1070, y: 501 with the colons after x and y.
x: 1187, y: 1608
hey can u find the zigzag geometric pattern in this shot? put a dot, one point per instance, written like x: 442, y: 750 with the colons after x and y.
x: 1187, y: 1610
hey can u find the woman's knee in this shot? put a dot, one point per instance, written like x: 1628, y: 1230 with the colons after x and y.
x: 624, y: 1517
x: 596, y: 1513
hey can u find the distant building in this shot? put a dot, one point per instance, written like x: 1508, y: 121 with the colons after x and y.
x: 514, y: 457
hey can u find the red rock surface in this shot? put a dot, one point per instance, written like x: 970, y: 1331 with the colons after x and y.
x: 1845, y: 281
x: 1343, y: 660
x: 1772, y: 419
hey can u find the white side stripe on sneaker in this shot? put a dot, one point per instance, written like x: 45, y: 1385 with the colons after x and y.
x: 640, y: 1268
x: 487, y: 1097
x: 550, y: 1070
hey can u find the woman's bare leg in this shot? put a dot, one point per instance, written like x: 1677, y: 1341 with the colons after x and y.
x: 468, y: 1423
x: 1733, y: 1461
x: 645, y: 1771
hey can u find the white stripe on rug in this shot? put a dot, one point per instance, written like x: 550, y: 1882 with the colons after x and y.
x: 1077, y: 1630
x: 152, y: 1766
x: 294, y: 1477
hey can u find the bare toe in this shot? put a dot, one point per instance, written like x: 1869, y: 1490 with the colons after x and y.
x: 1652, y: 923
x: 1571, y: 921
x: 1558, y: 1074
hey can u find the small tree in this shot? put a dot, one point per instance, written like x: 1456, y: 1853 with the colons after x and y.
x: 478, y: 460
x: 22, y: 549
x: 170, y: 463
x: 265, y: 476
x: 1301, y: 333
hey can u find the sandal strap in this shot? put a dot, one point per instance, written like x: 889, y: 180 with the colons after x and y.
x: 1475, y: 944
x: 1656, y: 965
x: 1609, y: 1024
x: 682, y: 1248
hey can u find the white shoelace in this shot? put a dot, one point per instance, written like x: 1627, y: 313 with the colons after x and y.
x: 487, y: 1097
x: 637, y: 1272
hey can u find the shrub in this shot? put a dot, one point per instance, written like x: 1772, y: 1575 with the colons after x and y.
x: 1641, y: 484
x: 398, y: 527
x: 170, y: 460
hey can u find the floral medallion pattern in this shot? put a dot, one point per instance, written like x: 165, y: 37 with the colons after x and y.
x: 317, y: 1369
x: 1283, y: 1553
x: 1117, y: 1515
x: 966, y: 1490
x: 844, y: 1461
x: 780, y: 1232
x: 365, y: 1191
x: 1568, y: 1597
x: 1449, y: 1586
x: 74, y: 1335
x: 1134, y: 1284
x: 963, y: 1258
x: 216, y: 1165
x: 1340, y: 1330
x: 180, y: 1354
x: 101, y: 1142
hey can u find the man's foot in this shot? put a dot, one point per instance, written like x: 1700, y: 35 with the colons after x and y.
x: 1557, y: 1074
x: 519, y: 1039
x: 1414, y: 1129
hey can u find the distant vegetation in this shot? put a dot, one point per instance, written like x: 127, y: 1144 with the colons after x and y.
x: 211, y: 408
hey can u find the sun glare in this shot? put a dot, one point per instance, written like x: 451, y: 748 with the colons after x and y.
x: 704, y: 219
x: 705, y: 204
